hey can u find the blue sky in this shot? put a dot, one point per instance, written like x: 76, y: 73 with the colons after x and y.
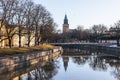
x: 83, y: 12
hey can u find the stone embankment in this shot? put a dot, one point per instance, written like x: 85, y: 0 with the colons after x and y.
x: 9, y: 63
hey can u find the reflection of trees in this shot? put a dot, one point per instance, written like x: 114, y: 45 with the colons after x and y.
x: 80, y: 60
x: 51, y: 69
x: 37, y: 74
x: 81, y: 56
x: 116, y: 72
x: 94, y: 62
x: 101, y: 64
x: 98, y: 64
x: 97, y: 61
x: 115, y: 64
x: 43, y: 73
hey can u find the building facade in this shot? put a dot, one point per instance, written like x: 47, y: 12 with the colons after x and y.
x: 4, y: 42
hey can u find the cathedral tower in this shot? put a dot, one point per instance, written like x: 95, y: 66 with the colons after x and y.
x: 65, y: 25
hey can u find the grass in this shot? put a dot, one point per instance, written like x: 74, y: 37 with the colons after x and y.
x: 11, y: 51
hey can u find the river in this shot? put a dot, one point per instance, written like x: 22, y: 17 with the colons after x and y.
x: 73, y: 64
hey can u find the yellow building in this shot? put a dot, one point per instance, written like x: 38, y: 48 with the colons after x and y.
x: 2, y: 32
x: 15, y: 39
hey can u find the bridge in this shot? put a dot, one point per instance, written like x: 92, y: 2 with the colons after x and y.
x: 77, y: 45
x: 71, y: 43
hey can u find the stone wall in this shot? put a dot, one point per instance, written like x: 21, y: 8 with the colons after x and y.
x: 9, y: 63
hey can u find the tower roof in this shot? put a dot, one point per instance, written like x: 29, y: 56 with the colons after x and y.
x: 65, y: 19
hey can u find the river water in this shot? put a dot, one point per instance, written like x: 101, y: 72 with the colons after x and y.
x: 73, y: 64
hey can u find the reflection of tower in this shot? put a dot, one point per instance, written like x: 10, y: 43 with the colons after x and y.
x: 65, y: 62
x: 65, y: 25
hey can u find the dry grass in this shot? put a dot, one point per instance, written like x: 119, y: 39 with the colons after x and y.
x: 11, y: 51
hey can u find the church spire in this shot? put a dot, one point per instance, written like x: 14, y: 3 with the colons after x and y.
x: 65, y: 24
x: 65, y: 19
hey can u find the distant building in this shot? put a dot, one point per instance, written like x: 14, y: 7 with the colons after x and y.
x: 65, y: 25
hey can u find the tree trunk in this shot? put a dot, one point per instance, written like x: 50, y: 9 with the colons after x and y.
x: 19, y: 40
x: 19, y: 37
x: 29, y: 35
x: 28, y: 40
x: 28, y: 43
x: 10, y: 43
x: 36, y: 36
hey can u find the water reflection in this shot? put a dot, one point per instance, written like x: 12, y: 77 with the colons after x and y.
x: 40, y: 71
x: 45, y: 72
x: 98, y: 64
x: 65, y: 62
x: 89, y: 61
x: 96, y: 60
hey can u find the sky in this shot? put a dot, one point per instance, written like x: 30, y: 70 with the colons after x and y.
x: 83, y: 12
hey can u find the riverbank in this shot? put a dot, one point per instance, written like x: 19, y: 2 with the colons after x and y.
x: 28, y: 58
x: 101, y: 47
x: 12, y: 51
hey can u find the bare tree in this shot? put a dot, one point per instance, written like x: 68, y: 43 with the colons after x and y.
x: 80, y: 32
x: 20, y: 18
x: 99, y: 29
x: 38, y: 14
x: 24, y: 18
x: 8, y: 14
x: 48, y: 30
x: 29, y: 21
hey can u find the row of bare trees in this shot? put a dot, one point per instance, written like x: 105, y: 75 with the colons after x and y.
x: 29, y: 18
x: 97, y: 33
x: 81, y: 34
